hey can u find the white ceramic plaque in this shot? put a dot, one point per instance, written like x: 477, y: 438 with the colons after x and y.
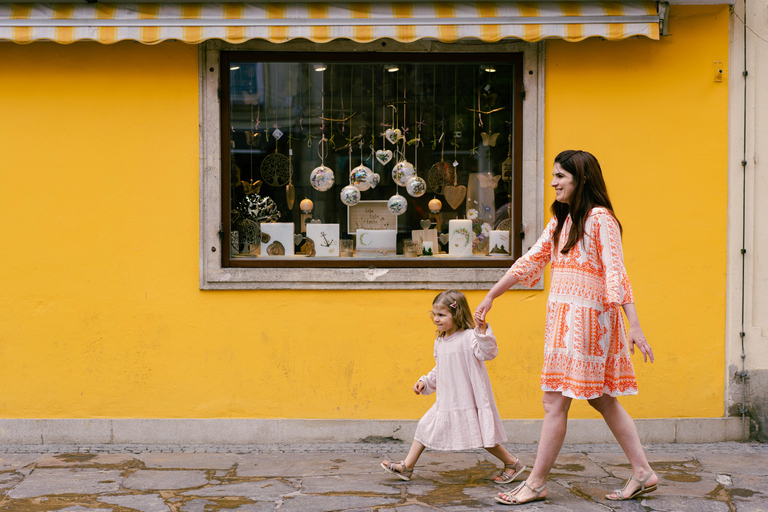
x: 372, y: 243
x: 277, y: 239
x: 325, y: 237
x: 499, y: 243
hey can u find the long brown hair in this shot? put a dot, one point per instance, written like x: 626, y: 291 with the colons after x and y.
x: 457, y: 304
x: 589, y: 191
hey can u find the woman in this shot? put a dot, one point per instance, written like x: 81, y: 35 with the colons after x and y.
x: 587, y: 349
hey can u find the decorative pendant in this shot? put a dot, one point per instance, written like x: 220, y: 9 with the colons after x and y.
x: 397, y: 204
x: 321, y: 178
x: 350, y: 195
x: 361, y: 178
x: 384, y: 156
x: 402, y: 172
x: 416, y: 187
x: 440, y: 175
x: 393, y: 135
x: 275, y: 170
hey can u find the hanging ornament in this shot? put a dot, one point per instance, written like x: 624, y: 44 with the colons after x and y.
x: 374, y: 179
x: 290, y: 190
x: 393, y: 135
x: 435, y: 205
x: 384, y: 156
x: 350, y: 195
x: 441, y: 173
x: 275, y: 169
x: 402, y: 172
x: 360, y: 177
x: 321, y: 178
x: 416, y: 187
x: 455, y: 193
x: 397, y: 204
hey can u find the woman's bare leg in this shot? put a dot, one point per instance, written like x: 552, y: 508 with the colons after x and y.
x: 625, y: 432
x: 552, y: 435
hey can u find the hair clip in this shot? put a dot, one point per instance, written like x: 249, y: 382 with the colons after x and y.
x: 453, y: 304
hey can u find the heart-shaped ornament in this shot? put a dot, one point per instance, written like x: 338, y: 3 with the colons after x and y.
x: 384, y: 156
x: 455, y: 195
x: 444, y: 238
x: 297, y: 238
x: 393, y: 135
x: 426, y: 224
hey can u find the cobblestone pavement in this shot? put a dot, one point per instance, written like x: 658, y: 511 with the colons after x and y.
x: 127, y: 478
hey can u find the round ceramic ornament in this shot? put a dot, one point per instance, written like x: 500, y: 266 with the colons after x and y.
x: 374, y: 179
x: 397, y: 204
x: 350, y: 195
x: 321, y: 178
x: 435, y: 205
x: 416, y: 186
x: 360, y: 177
x: 402, y: 172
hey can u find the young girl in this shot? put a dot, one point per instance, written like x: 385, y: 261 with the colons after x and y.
x: 464, y: 415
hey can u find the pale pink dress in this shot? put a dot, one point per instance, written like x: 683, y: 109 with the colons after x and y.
x: 464, y: 415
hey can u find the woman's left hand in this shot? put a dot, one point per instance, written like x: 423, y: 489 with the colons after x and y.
x: 636, y: 337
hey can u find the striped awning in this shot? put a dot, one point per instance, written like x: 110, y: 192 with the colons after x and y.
x: 152, y: 23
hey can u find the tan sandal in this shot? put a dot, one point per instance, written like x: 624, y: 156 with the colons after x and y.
x: 512, y: 495
x: 505, y: 478
x: 391, y: 467
x: 618, y: 494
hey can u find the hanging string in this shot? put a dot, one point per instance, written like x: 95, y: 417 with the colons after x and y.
x: 373, y: 113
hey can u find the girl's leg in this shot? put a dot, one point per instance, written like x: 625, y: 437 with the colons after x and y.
x: 509, y: 461
x: 413, y: 455
x: 552, y: 435
x: 623, y: 429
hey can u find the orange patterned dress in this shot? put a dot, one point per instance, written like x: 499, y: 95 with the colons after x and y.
x: 585, y: 352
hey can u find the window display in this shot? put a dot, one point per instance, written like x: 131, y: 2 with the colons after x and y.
x: 412, y: 158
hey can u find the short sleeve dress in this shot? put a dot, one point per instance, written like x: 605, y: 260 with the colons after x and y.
x: 585, y: 352
x: 464, y: 415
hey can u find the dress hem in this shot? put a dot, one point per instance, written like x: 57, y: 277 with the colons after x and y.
x: 570, y: 394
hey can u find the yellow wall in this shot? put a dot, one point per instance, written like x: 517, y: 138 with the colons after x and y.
x: 101, y: 311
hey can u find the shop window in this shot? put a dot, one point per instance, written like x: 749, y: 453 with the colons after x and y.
x: 341, y: 160
x: 335, y: 161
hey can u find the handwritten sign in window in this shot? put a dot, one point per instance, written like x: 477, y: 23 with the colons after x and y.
x: 370, y: 215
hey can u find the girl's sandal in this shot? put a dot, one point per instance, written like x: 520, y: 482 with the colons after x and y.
x: 513, y: 499
x: 505, y: 478
x: 391, y: 467
x: 618, y: 494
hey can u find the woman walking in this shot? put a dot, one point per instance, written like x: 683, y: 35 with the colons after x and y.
x: 587, y: 349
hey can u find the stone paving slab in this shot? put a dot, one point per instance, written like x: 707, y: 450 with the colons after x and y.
x: 730, y: 477
x: 140, y: 502
x: 149, y: 479
x: 43, y: 482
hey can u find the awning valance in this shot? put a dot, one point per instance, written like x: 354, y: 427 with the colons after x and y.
x: 152, y: 23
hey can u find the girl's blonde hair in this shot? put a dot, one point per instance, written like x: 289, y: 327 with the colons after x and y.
x: 457, y: 304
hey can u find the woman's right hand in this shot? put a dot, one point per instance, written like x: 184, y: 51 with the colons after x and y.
x: 482, y: 309
x: 418, y: 387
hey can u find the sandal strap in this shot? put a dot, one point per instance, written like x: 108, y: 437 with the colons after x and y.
x: 537, y: 491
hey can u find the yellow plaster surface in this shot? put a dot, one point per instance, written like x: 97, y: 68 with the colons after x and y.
x: 103, y: 316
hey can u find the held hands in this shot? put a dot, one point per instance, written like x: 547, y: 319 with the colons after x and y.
x: 636, y: 337
x: 482, y: 310
x: 418, y: 387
